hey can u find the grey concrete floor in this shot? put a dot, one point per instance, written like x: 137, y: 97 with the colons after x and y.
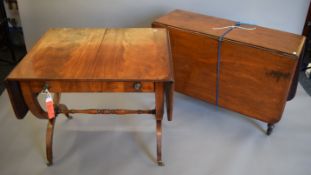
x: 200, y: 140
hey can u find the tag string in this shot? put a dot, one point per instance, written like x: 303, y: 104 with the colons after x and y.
x: 220, y: 39
x: 49, y: 102
x: 239, y: 27
x: 46, y: 91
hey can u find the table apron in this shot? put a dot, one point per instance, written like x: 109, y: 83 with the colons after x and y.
x: 91, y: 86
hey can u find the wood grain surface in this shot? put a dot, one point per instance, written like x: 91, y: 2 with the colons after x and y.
x: 273, y: 40
x: 98, y: 54
x: 256, y: 67
x: 195, y: 61
x: 254, y: 82
x: 91, y: 86
x: 94, y: 60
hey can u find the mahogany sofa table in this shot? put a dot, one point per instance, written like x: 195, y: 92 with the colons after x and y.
x: 94, y: 60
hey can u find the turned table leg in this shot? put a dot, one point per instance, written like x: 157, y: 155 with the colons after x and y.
x: 159, y: 99
x: 49, y: 141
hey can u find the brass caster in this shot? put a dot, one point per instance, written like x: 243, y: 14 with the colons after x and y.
x: 160, y: 163
x: 49, y: 163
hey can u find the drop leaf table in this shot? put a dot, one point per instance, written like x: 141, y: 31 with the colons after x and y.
x: 242, y: 67
x: 68, y: 60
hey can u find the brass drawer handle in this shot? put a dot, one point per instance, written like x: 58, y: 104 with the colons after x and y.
x: 137, y: 86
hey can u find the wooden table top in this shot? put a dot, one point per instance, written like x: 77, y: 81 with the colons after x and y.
x: 274, y: 40
x: 98, y: 54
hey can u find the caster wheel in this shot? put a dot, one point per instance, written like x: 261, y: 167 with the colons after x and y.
x: 270, y: 129
x: 160, y: 163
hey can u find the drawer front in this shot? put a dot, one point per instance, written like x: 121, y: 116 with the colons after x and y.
x: 89, y: 86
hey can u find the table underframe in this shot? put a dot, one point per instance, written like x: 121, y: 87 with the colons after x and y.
x: 162, y: 91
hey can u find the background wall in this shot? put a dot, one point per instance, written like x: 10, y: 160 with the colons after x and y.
x: 12, y: 13
x: 39, y: 15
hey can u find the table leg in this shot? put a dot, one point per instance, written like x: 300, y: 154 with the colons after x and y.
x: 169, y: 92
x: 35, y: 108
x: 159, y: 142
x: 270, y: 128
x: 49, y: 141
x: 159, y: 99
